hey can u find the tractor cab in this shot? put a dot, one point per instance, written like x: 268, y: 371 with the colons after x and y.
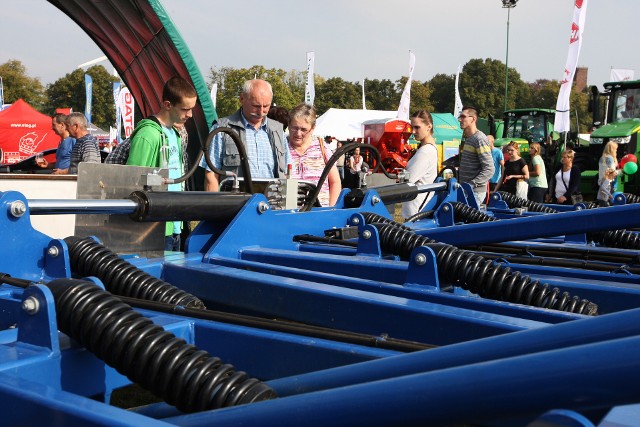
x: 616, y: 117
x: 526, y: 126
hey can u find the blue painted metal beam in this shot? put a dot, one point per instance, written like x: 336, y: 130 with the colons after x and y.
x: 564, y: 223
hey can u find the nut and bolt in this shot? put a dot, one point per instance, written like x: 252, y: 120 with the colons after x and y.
x: 31, y: 305
x: 375, y: 200
x: 263, y: 207
x: 53, y: 251
x: 420, y: 259
x: 18, y: 208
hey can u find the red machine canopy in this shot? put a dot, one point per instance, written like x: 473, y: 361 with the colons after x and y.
x: 24, y: 132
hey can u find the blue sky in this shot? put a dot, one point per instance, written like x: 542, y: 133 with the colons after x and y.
x: 352, y: 39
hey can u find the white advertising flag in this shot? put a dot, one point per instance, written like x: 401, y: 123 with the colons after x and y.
x: 457, y: 108
x: 309, y: 89
x: 621, y: 75
x: 562, y: 121
x: 116, y: 102
x: 405, y: 101
x: 127, y: 105
x: 214, y: 93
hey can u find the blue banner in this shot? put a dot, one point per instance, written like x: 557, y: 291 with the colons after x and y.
x: 88, y: 84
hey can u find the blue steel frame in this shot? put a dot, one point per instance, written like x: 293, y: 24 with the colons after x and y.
x: 556, y: 359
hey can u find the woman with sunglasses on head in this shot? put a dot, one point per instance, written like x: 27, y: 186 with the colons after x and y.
x: 538, y: 186
x: 309, y: 154
x: 515, y: 170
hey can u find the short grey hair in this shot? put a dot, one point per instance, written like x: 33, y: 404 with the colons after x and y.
x: 79, y: 119
x: 247, y: 88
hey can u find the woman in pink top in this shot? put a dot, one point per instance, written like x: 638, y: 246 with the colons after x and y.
x: 310, y: 154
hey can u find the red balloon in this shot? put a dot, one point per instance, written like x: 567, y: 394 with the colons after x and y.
x: 627, y: 158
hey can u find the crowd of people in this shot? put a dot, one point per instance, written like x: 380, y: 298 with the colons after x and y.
x: 279, y: 143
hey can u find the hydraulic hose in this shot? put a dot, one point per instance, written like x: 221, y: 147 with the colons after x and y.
x: 332, y: 160
x: 478, y: 275
x: 90, y: 258
x: 190, y: 379
x: 246, y: 172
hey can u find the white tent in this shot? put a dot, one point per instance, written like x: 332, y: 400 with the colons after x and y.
x: 344, y: 124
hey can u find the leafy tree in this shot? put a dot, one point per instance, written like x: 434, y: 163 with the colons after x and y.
x: 69, y: 92
x: 17, y: 84
x: 482, y: 85
x: 380, y: 94
x: 337, y: 93
x: 443, y: 92
x: 543, y: 93
x: 420, y: 95
x: 286, y: 86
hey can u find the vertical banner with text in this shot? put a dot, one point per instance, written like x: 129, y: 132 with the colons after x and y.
x: 127, y: 105
x: 562, y: 122
x: 405, y: 101
x: 116, y: 103
x: 88, y: 85
x: 309, y: 89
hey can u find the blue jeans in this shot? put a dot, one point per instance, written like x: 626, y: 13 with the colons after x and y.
x: 172, y: 243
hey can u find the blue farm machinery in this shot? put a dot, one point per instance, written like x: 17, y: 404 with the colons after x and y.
x: 517, y: 314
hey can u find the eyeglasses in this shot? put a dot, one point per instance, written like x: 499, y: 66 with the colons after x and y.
x: 294, y: 129
x: 462, y: 117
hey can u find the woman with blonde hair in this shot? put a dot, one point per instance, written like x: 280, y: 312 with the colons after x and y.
x: 538, y: 186
x: 607, y: 161
x: 309, y: 154
x: 565, y: 188
x: 516, y: 171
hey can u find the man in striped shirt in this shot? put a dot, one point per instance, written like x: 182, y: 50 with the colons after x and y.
x: 476, y: 163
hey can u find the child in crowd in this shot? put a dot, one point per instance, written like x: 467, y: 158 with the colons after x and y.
x: 605, y: 197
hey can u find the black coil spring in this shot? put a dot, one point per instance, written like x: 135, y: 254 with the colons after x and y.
x: 465, y: 213
x: 371, y: 218
x: 518, y: 202
x: 632, y: 198
x: 621, y: 239
x: 188, y: 378
x: 90, y: 258
x: 474, y: 273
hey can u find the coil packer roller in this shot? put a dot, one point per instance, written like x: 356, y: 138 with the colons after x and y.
x: 247, y: 253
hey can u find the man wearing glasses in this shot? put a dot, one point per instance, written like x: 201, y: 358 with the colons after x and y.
x: 86, y: 146
x: 476, y: 162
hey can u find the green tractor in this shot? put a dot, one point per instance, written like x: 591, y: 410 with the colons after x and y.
x: 616, y: 117
x: 526, y: 125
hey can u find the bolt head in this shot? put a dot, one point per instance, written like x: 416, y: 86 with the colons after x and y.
x: 366, y: 234
x: 263, y: 207
x: 420, y: 259
x: 355, y: 221
x: 53, y: 251
x: 31, y: 305
x: 18, y: 208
